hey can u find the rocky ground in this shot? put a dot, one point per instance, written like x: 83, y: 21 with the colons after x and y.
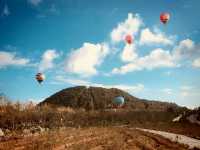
x: 95, y: 138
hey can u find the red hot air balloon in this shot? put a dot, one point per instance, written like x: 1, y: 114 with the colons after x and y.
x: 164, y: 17
x: 40, y: 77
x: 129, y: 39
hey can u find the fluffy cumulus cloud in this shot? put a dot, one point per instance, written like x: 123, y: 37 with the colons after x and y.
x: 129, y: 53
x: 187, y: 52
x: 10, y: 59
x: 157, y: 58
x: 130, y: 26
x: 83, y: 61
x: 185, y: 49
x: 196, y: 63
x: 47, y: 59
x: 35, y: 2
x: 148, y: 37
x: 130, y: 67
x: 129, y: 88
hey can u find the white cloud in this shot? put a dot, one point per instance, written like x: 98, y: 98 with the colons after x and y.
x: 189, y: 91
x: 129, y: 88
x: 188, y: 96
x: 6, y: 11
x: 83, y: 61
x: 156, y: 59
x: 10, y: 59
x: 148, y: 37
x: 130, y: 26
x: 167, y: 91
x: 71, y: 81
x: 186, y: 48
x: 132, y: 89
x: 187, y: 53
x: 47, y: 59
x: 126, y: 68
x: 35, y: 2
x: 128, y: 53
x: 196, y: 63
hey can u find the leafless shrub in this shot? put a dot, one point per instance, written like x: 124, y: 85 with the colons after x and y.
x: 18, y: 116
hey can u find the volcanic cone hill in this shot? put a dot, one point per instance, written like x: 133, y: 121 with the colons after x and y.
x: 101, y: 98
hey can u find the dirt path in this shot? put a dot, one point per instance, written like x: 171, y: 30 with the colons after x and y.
x: 191, y: 142
x: 95, y: 138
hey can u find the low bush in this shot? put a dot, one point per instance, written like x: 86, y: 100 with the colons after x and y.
x: 16, y: 116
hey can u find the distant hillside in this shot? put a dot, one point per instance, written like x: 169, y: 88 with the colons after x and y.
x: 100, y: 98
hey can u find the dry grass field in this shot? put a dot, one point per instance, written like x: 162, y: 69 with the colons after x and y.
x: 94, y: 138
x: 29, y: 127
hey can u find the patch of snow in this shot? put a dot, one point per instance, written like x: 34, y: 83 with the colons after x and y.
x: 177, y: 119
x: 191, y: 142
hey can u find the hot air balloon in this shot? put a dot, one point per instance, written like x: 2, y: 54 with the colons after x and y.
x: 40, y: 77
x: 128, y: 39
x: 118, y: 101
x: 164, y: 17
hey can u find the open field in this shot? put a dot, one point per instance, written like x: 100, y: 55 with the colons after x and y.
x: 65, y: 128
x: 95, y: 138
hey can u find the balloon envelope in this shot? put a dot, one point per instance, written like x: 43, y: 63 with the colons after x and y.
x: 119, y: 100
x: 40, y: 77
x: 164, y: 17
x: 128, y: 39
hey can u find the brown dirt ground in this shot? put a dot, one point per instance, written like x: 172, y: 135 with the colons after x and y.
x: 93, y: 138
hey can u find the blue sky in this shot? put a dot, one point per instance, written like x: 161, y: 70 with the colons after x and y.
x: 77, y: 42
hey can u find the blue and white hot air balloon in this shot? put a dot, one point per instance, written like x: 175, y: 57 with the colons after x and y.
x: 119, y: 101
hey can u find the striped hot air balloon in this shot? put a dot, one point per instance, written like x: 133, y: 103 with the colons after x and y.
x: 40, y: 77
x: 164, y: 17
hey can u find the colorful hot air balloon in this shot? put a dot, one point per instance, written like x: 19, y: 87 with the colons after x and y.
x: 119, y: 101
x: 40, y: 77
x: 129, y: 39
x: 164, y: 17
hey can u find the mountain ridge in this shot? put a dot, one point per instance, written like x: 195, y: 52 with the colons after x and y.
x: 101, y: 98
